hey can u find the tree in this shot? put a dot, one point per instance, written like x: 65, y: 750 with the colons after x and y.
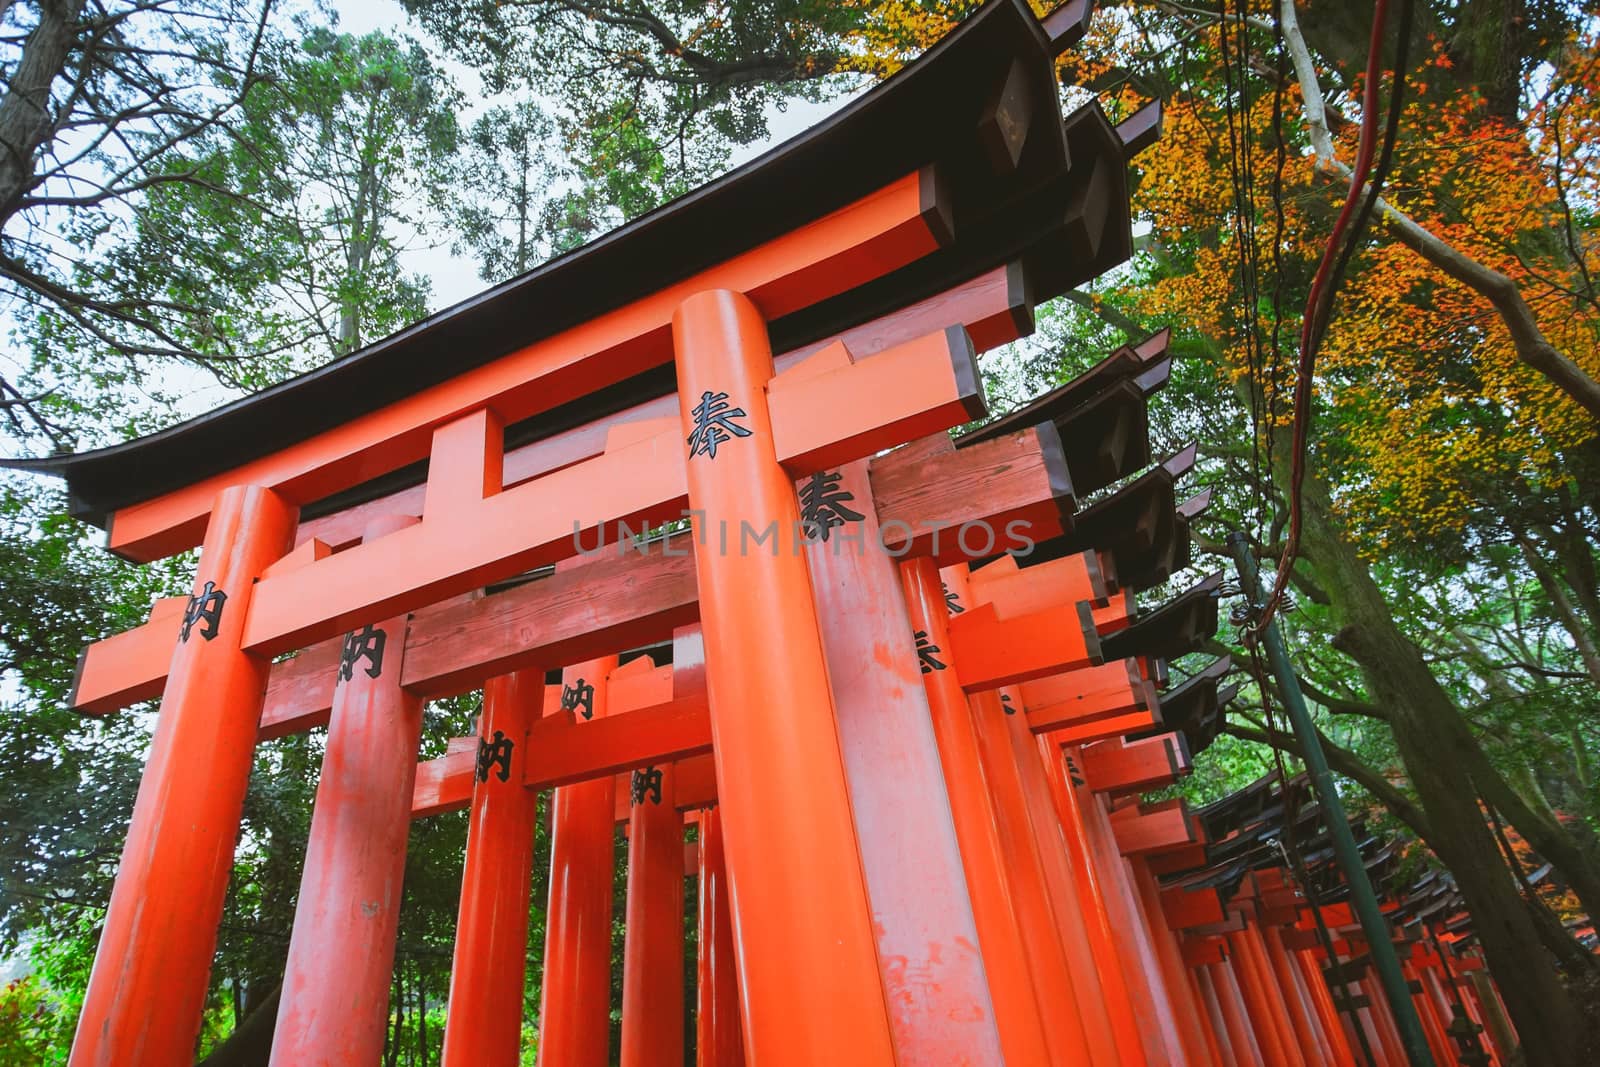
x: 95, y: 95
x: 1435, y: 430
x: 349, y: 129
x: 676, y: 69
x: 289, y: 230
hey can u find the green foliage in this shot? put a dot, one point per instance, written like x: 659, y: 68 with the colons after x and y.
x: 34, y: 1032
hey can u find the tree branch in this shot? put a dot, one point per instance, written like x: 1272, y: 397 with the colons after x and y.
x: 1346, y: 763
x: 1528, y: 339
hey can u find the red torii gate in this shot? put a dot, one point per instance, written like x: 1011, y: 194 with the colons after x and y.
x: 941, y: 186
x: 891, y: 872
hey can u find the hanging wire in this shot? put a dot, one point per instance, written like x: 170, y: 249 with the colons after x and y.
x: 1242, y: 189
x: 1366, y: 185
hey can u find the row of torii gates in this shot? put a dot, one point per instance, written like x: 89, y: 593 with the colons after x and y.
x: 912, y: 760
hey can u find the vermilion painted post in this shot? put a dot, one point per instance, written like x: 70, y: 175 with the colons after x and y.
x: 1072, y: 1039
x: 1329, y: 1035
x: 1380, y: 1037
x: 1203, y: 1021
x: 1383, y: 1020
x: 1188, y: 1012
x: 1135, y: 941
x: 1334, y: 1024
x: 718, y: 1042
x: 809, y: 969
x: 1282, y: 1008
x: 1106, y: 1025
x: 1235, y: 1014
x: 652, y: 960
x: 1261, y: 1009
x: 148, y: 987
x: 1307, y: 1023
x: 488, y: 971
x: 1131, y: 1009
x: 972, y: 807
x: 1079, y: 914
x: 335, y: 1004
x: 575, y: 1006
x: 940, y: 1010
x: 1283, y: 1011
x: 1223, y: 1051
x: 1494, y: 1014
x: 1428, y: 1012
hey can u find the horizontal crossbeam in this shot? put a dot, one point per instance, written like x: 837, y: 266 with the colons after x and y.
x: 862, y: 241
x: 595, y: 606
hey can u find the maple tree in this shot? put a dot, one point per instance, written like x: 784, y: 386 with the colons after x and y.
x: 1448, y: 551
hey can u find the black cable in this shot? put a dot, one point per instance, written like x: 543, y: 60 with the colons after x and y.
x: 1380, y: 172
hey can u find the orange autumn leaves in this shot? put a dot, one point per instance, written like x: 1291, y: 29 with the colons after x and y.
x: 1423, y: 407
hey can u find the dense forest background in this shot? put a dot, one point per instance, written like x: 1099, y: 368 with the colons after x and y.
x: 201, y: 197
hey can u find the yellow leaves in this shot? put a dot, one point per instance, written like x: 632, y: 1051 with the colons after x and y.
x: 1425, y: 409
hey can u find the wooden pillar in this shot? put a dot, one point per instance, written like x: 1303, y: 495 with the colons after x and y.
x: 1433, y: 1025
x: 575, y: 1004
x: 1236, y: 1012
x: 940, y: 1009
x: 1224, y: 1052
x: 1130, y: 1013
x: 1135, y: 943
x: 1203, y: 1020
x: 1494, y: 1015
x: 809, y: 968
x: 1290, y: 1026
x: 1317, y: 995
x: 1370, y: 1027
x: 1071, y: 1026
x: 718, y: 1042
x: 1383, y: 1021
x: 1465, y: 1000
x: 1109, y: 1021
x: 652, y: 959
x: 489, y: 968
x: 147, y: 990
x: 335, y: 1003
x: 972, y: 808
x: 1335, y: 1024
x: 1297, y: 1010
x: 1433, y: 984
x: 1170, y: 958
x: 1263, y: 1012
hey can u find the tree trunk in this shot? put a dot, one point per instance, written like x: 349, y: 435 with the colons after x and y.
x: 25, y: 119
x: 1438, y: 751
x: 250, y: 1044
x: 1564, y: 611
x: 1547, y: 836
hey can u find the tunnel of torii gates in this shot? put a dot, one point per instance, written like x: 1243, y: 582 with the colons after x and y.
x: 896, y: 681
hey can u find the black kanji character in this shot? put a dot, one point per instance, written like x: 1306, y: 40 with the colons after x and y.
x: 822, y: 505
x: 366, y: 643
x: 951, y: 602
x: 647, y: 781
x: 578, y: 697
x: 1073, y: 773
x: 494, y: 752
x: 205, y: 607
x: 713, y: 424
x: 925, y: 653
